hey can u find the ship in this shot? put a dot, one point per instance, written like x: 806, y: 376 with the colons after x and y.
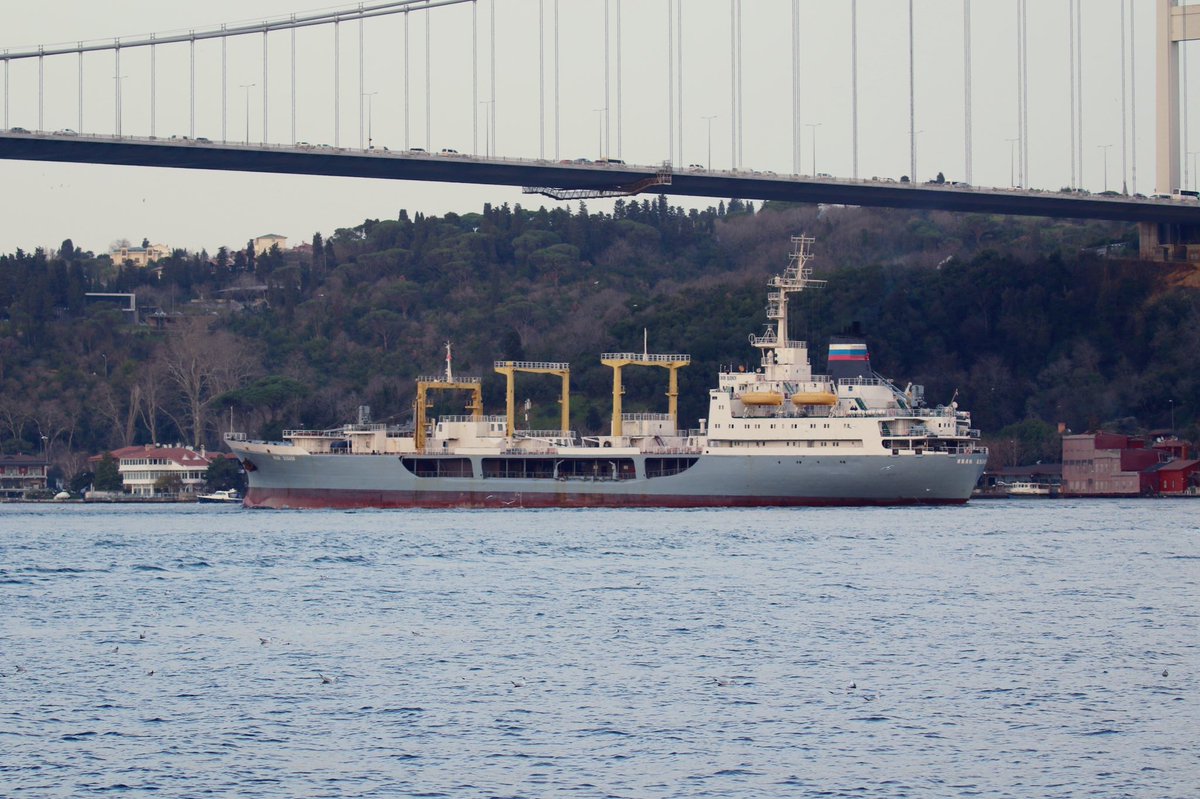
x: 775, y: 435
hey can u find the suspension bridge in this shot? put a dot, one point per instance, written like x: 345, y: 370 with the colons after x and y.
x: 624, y: 87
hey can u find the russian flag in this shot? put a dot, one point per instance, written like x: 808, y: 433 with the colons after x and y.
x: 848, y: 352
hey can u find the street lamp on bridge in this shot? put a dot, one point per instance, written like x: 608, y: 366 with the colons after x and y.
x: 1105, y: 147
x: 1012, y: 162
x: 370, y: 141
x: 709, y: 120
x: 812, y: 126
x: 118, y: 79
x: 247, y: 87
x: 488, y: 105
x: 600, y: 112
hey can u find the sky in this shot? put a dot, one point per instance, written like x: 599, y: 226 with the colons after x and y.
x: 42, y: 204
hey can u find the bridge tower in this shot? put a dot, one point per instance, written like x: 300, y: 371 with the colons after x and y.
x: 1162, y: 241
x: 1176, y: 23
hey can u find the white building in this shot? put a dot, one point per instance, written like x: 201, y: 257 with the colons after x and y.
x: 142, y: 467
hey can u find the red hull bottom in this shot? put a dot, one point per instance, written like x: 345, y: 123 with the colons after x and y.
x: 338, y: 499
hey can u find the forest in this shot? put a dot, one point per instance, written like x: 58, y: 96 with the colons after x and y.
x: 1029, y: 324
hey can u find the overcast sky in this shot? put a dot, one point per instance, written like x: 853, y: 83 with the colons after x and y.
x: 42, y: 204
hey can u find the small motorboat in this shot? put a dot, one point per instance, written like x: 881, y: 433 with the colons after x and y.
x: 225, y: 495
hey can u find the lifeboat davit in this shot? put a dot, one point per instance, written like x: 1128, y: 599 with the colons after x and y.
x: 814, y: 398
x: 760, y: 398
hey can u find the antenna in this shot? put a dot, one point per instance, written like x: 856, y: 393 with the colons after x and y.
x: 449, y: 371
x: 645, y: 342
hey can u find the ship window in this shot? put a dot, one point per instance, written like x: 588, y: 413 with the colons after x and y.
x: 560, y: 468
x: 438, y: 467
x: 663, y: 467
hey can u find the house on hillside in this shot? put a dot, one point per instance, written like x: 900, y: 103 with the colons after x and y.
x: 139, y: 256
x: 263, y: 244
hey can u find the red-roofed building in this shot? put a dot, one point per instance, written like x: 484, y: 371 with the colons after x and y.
x: 1174, y: 477
x: 21, y: 473
x: 1113, y: 465
x: 142, y: 467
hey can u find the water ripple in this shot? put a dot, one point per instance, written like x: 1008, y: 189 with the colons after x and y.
x: 993, y: 651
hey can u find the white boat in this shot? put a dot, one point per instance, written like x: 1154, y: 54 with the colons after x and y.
x: 226, y: 495
x: 1027, y: 488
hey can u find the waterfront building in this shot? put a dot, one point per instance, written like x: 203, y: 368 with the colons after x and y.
x: 20, y: 474
x: 142, y: 467
x: 1114, y: 465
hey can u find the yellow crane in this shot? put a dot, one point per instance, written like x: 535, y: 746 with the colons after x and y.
x: 509, y: 370
x: 619, y: 360
x: 445, y: 383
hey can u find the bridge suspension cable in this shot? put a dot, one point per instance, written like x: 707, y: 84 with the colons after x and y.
x: 679, y: 69
x: 324, y: 18
x: 492, y: 53
x: 1124, y: 122
x: 475, y: 78
x: 557, y: 142
x: 1071, y: 57
x: 406, y: 140
x: 1079, y: 84
x: 428, y: 86
x: 912, y: 104
x: 1132, y: 99
x: 853, y: 89
x: 968, y: 131
x: 671, y: 82
x: 795, y: 87
x: 337, y: 82
x: 541, y: 80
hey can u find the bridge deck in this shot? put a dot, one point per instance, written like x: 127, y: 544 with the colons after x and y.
x: 396, y: 165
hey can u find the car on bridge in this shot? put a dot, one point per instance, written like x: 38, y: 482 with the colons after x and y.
x: 65, y: 132
x: 17, y: 130
x: 450, y: 152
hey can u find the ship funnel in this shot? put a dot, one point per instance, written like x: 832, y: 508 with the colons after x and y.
x: 848, y: 358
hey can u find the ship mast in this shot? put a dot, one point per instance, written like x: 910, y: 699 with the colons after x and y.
x: 795, y: 278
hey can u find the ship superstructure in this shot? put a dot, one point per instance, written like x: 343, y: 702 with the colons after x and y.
x: 777, y: 435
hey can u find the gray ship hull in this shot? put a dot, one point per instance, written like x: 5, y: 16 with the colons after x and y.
x: 280, y: 476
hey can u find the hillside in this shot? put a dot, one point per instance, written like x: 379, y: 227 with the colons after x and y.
x: 1018, y: 316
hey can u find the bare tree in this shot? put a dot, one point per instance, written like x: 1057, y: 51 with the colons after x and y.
x: 202, y: 365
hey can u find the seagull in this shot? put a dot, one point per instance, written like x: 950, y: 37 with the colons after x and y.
x: 853, y: 685
x: 116, y: 649
x: 1164, y: 672
x: 141, y: 636
x: 150, y: 673
x: 516, y: 684
x: 20, y: 669
x: 263, y: 641
x: 721, y: 681
x: 326, y: 680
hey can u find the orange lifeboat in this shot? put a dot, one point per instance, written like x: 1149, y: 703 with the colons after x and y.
x: 814, y: 398
x: 762, y: 398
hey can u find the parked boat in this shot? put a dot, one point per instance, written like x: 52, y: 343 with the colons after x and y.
x: 229, y: 495
x: 776, y: 435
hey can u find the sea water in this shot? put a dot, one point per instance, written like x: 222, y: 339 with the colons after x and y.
x: 1003, y: 649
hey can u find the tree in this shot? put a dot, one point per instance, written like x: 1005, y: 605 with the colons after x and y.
x: 203, y: 365
x: 168, y: 484
x: 224, y: 474
x: 108, y: 478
